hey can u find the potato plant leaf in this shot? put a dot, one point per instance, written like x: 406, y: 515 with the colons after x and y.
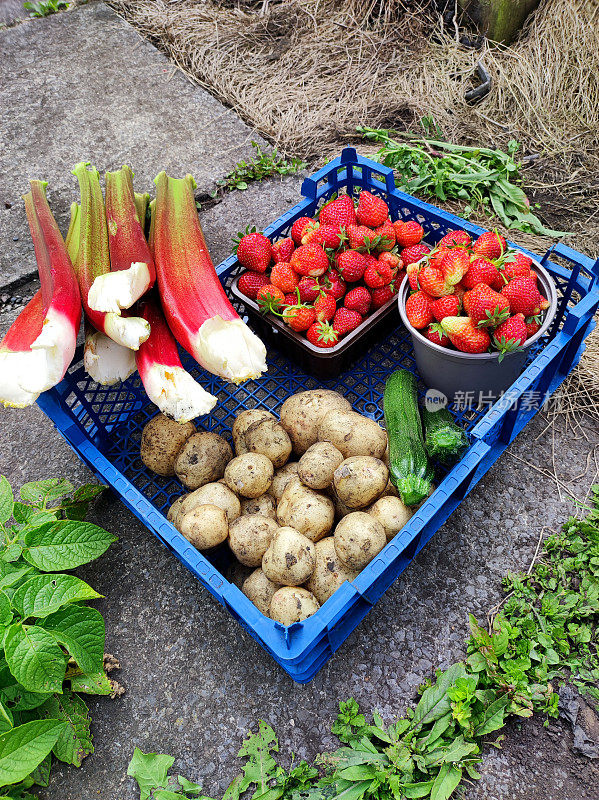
x: 45, y: 594
x: 65, y: 545
x: 75, y: 742
x: 24, y: 747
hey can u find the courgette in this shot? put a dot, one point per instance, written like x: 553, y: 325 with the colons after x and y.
x: 409, y: 468
x: 443, y: 439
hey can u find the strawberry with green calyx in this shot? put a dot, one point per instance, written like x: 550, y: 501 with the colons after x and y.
x: 455, y: 265
x: 447, y: 306
x: 333, y: 284
x: 408, y: 233
x: 249, y: 283
x: 351, y: 264
x: 325, y: 306
x: 254, y: 250
x: 510, y: 335
x: 435, y: 334
x: 299, y: 317
x: 346, y: 320
x: 533, y: 324
x: 437, y: 256
x: 372, y: 210
x: 418, y: 310
x: 433, y: 282
x: 284, y: 277
x: 515, y: 265
x: 465, y: 336
x: 309, y: 288
x: 490, y: 245
x: 378, y: 274
x: 290, y: 299
x: 381, y: 297
x: 392, y: 259
x: 270, y: 299
x: 481, y: 270
x: 361, y: 238
x: 326, y: 236
x: 386, y: 234
x: 309, y: 259
x: 486, y: 307
x: 282, y: 250
x: 358, y: 299
x: 338, y: 212
x: 412, y: 271
x: 523, y: 296
x: 321, y: 334
x: 298, y: 227
x: 410, y: 255
x: 455, y: 238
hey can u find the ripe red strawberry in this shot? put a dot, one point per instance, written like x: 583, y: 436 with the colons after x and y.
x: 412, y: 271
x: 393, y: 260
x: 433, y: 282
x: 386, y: 232
x: 407, y: 233
x: 371, y: 261
x: 516, y: 265
x: 297, y: 229
x: 324, y: 235
x: 325, y: 306
x: 544, y: 304
x: 358, y: 299
x: 378, y: 275
x: 533, y: 324
x: 321, y: 334
x: 346, y: 320
x: 434, y: 333
x: 270, y: 298
x: 511, y: 334
x: 459, y: 291
x: 254, y: 252
x: 372, y: 210
x: 309, y: 289
x: 437, y: 257
x: 299, y: 317
x: 351, y: 265
x: 418, y: 310
x: 455, y: 265
x: 414, y: 253
x: 486, y: 307
x: 481, y: 270
x: 454, y: 238
x: 334, y: 284
x: 284, y: 276
x: 447, y: 306
x: 282, y: 250
x: 523, y: 296
x: 290, y: 299
x: 359, y: 236
x: 382, y: 296
x: 309, y: 259
x: 490, y: 245
x: 339, y: 212
x: 249, y: 283
x: 466, y: 336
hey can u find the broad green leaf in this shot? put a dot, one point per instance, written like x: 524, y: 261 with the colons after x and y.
x: 6, y: 500
x: 21, y: 699
x: 45, y: 594
x: 34, y: 658
x: 446, y: 781
x: 434, y: 702
x: 97, y: 683
x: 41, y: 774
x: 40, y: 492
x: 88, y: 492
x: 411, y: 791
x: 150, y: 770
x: 167, y: 794
x: 5, y: 612
x: 65, y: 545
x: 81, y: 630
x: 11, y: 552
x: 493, y: 718
x: 6, y: 719
x: 24, y: 747
x: 189, y: 787
x: 12, y: 574
x: 75, y: 742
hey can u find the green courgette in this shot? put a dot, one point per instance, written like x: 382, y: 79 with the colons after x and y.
x: 409, y: 468
x: 443, y: 439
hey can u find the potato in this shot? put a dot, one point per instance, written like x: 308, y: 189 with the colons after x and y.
x: 290, y: 558
x: 243, y: 422
x: 282, y: 477
x: 161, y: 440
x: 268, y: 437
x: 341, y: 510
x: 352, y: 434
x: 301, y: 414
x: 264, y: 505
x: 329, y: 572
x: 249, y: 538
x: 249, y: 475
x: 307, y: 511
x: 202, y: 459
x: 216, y: 494
x: 260, y: 590
x: 291, y: 604
x: 391, y: 513
x: 317, y: 465
x: 360, y: 480
x: 238, y: 573
x: 204, y: 526
x: 175, y: 510
x: 358, y: 539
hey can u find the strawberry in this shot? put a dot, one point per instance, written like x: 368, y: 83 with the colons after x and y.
x: 378, y: 275
x: 392, y: 259
x: 412, y: 271
x: 418, y: 310
x: 490, y: 245
x: 481, y: 270
x: 372, y: 210
x: 322, y: 334
x: 359, y: 236
x: 334, y: 284
x: 455, y: 265
x: 433, y: 282
x: 325, y: 306
x: 324, y: 235
x: 381, y: 297
x: 346, y: 320
x: 309, y: 289
x: 485, y: 306
x: 299, y: 317
x: 533, y: 324
x: 544, y: 304
x: 407, y: 233
x: 358, y: 299
x: 270, y: 298
x: 309, y: 259
x: 254, y: 252
x: 448, y: 306
x: 437, y: 257
x: 249, y: 283
x: 454, y: 238
x: 351, y: 265
x: 414, y: 253
x: 338, y: 212
x: 523, y: 295
x: 297, y: 229
x: 284, y: 276
x: 386, y: 232
x: 434, y: 333
x: 516, y: 265
x: 371, y: 261
x: 465, y: 336
x: 511, y: 334
x: 282, y: 250
x: 459, y: 291
x: 290, y: 299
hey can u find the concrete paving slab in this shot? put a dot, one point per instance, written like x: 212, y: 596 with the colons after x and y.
x: 83, y: 85
x: 12, y: 12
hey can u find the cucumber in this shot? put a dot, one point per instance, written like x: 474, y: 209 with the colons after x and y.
x: 409, y: 468
x: 443, y: 439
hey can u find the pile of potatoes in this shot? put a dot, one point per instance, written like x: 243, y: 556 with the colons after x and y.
x: 297, y: 528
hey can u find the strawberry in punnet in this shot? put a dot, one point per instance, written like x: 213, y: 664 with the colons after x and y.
x: 381, y: 297
x: 511, y: 334
x: 459, y: 291
x: 321, y: 334
x: 393, y: 260
x: 454, y: 238
x: 485, y: 306
x: 481, y: 270
x: 418, y: 310
x: 465, y: 336
x: 407, y: 233
x: 309, y: 289
x: 325, y: 306
x: 290, y: 299
x: 533, y: 324
x: 377, y: 275
x: 351, y: 265
x: 412, y: 271
x: 524, y: 296
x: 435, y: 334
x: 339, y: 212
x: 433, y: 282
x: 254, y: 252
x: 412, y: 254
x: 284, y: 276
x: 282, y: 250
x: 359, y: 236
x: 346, y: 320
x: 386, y: 234
x: 249, y: 283
x: 455, y: 265
x: 448, y: 306
x: 299, y: 317
x: 309, y: 259
x: 298, y: 227
x: 358, y: 299
x: 490, y: 245
x: 334, y: 284
x: 324, y: 235
x: 270, y: 298
x: 372, y: 210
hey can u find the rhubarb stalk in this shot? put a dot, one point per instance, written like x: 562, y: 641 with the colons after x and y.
x: 93, y: 260
x: 194, y: 302
x: 40, y: 344
x: 141, y: 206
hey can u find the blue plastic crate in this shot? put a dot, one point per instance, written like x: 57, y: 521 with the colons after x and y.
x: 104, y: 424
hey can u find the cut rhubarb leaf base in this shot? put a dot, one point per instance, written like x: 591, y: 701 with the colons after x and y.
x: 114, y: 291
x: 125, y: 330
x: 176, y: 393
x: 229, y: 348
x: 105, y: 361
